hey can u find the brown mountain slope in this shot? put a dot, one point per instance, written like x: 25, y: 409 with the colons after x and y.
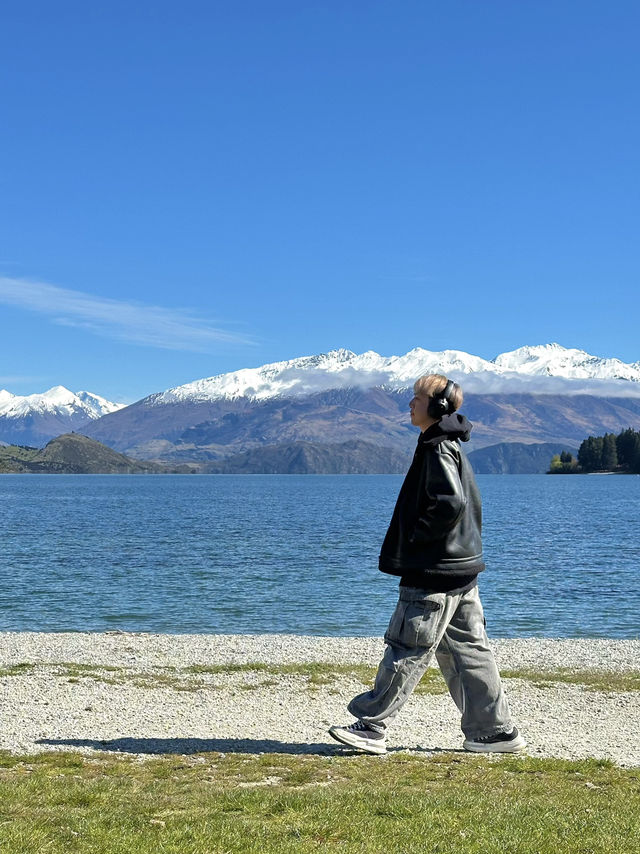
x: 216, y: 430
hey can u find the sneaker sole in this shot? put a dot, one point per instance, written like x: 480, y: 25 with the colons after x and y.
x: 516, y: 746
x: 359, y: 743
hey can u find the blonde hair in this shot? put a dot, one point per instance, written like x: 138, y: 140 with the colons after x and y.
x: 431, y: 385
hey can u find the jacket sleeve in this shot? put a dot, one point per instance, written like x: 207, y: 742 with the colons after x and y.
x: 442, y: 500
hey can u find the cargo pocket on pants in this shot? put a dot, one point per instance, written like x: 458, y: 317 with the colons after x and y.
x: 414, y: 623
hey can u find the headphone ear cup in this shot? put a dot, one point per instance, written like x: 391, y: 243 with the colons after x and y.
x: 441, y: 405
x: 437, y: 407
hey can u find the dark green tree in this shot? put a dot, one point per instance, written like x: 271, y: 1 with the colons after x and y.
x: 590, y: 453
x: 634, y: 455
x: 584, y: 454
x: 626, y: 445
x: 609, y: 452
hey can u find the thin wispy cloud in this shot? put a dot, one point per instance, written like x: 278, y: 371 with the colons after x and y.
x: 134, y: 322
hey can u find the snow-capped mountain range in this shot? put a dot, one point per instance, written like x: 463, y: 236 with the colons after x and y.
x: 36, y: 418
x: 57, y: 401
x: 529, y: 368
x: 550, y: 369
x: 343, y: 368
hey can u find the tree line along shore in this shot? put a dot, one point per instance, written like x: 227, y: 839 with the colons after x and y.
x: 609, y: 453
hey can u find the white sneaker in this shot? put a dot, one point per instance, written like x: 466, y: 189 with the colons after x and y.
x: 503, y: 742
x: 359, y: 735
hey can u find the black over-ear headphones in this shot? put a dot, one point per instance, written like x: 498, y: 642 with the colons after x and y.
x: 440, y: 404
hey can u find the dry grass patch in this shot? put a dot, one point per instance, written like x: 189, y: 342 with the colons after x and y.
x: 316, y: 675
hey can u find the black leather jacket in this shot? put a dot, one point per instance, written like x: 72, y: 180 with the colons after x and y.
x: 437, y: 522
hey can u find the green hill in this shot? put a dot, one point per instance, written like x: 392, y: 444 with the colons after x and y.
x: 73, y: 453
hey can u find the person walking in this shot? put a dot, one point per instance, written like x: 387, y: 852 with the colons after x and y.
x: 434, y: 544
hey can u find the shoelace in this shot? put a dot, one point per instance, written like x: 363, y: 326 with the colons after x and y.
x: 500, y: 736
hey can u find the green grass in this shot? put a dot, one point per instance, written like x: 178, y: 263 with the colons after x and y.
x: 17, y: 452
x: 590, y: 680
x: 318, y: 675
x: 62, y: 803
x: 17, y: 669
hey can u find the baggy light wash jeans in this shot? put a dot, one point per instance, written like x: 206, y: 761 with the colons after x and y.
x: 453, y: 627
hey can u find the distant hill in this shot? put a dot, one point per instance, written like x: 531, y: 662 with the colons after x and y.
x: 353, y: 457
x: 357, y: 457
x: 207, y: 431
x: 73, y: 453
x: 516, y: 457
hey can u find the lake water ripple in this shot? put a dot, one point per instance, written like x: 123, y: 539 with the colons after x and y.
x: 298, y: 554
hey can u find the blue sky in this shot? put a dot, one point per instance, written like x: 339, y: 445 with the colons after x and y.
x: 190, y: 188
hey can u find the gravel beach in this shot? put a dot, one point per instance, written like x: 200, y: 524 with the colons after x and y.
x: 134, y: 693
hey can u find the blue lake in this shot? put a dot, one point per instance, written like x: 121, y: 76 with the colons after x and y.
x: 298, y: 554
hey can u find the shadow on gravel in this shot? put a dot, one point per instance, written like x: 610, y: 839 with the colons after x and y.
x: 185, y: 746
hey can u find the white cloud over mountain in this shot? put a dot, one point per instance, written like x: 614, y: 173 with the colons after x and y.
x: 539, y: 369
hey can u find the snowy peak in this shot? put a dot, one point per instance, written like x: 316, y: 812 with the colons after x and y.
x: 296, y: 376
x: 527, y: 366
x: 56, y: 401
x: 553, y: 360
x: 99, y: 405
x: 335, y: 369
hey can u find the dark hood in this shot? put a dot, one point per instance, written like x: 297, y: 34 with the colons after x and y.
x: 454, y: 426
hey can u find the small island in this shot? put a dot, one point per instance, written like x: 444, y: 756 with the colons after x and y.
x: 608, y: 454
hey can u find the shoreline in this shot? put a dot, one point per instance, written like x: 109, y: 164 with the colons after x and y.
x: 150, y: 695
x: 159, y: 649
